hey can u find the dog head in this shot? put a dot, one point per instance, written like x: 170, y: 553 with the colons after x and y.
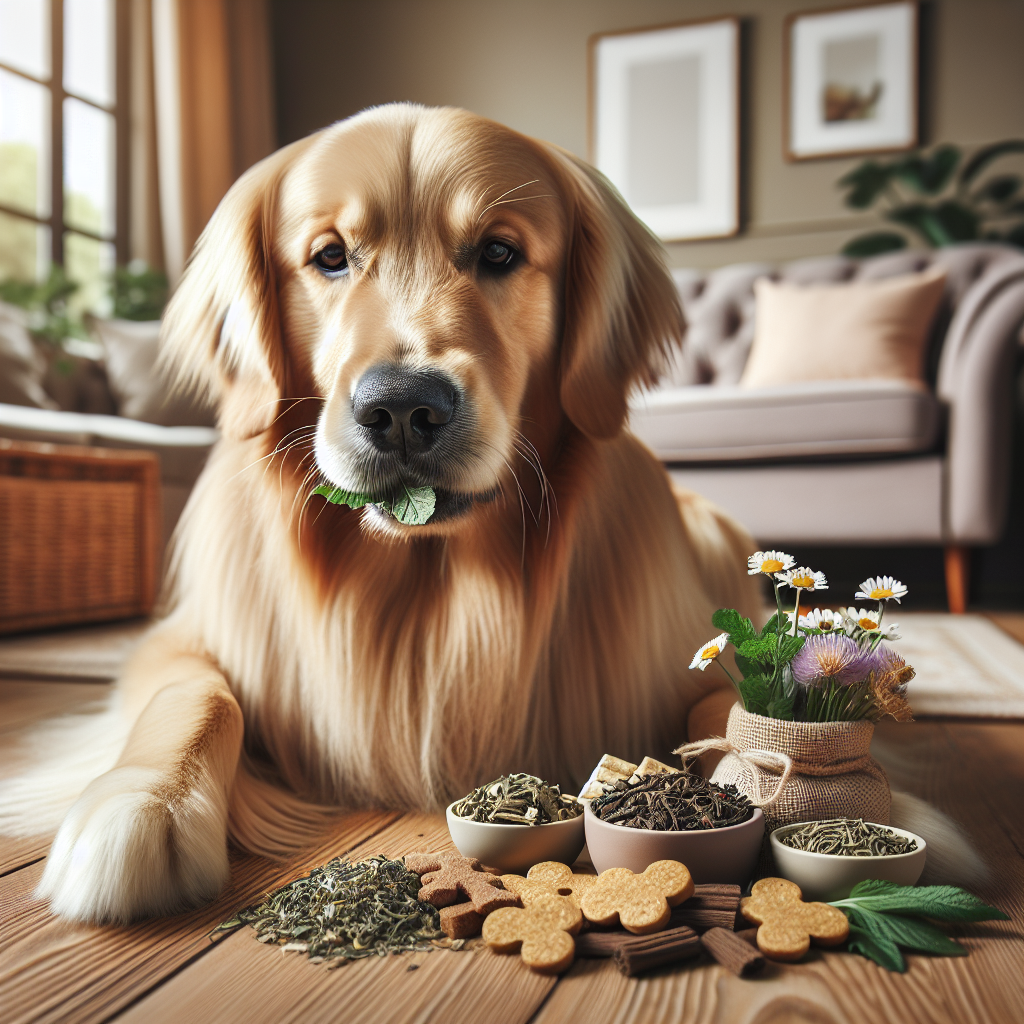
x: 456, y: 293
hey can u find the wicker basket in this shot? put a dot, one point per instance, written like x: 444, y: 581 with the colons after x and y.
x: 79, y: 534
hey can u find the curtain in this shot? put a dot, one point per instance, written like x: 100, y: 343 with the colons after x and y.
x: 202, y: 113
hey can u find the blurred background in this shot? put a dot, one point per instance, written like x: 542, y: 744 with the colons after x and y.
x: 123, y: 123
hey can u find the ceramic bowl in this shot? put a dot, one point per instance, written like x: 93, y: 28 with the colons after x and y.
x: 829, y: 876
x: 515, y: 848
x: 712, y: 855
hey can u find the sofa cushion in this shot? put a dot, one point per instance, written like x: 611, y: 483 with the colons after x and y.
x: 807, y: 419
x: 859, y: 329
x: 182, y: 450
x: 142, y: 393
x: 22, y: 366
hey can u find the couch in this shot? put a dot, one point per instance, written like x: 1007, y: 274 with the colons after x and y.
x: 850, y: 462
x: 104, y: 394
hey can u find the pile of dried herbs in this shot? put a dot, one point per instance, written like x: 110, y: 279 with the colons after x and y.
x: 673, y: 801
x: 847, y: 837
x: 345, y: 911
x: 518, y: 799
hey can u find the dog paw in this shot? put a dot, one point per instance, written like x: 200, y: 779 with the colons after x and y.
x: 133, y: 846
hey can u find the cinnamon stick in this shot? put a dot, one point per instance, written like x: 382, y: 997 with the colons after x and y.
x: 645, y: 952
x: 710, y: 906
x: 732, y: 952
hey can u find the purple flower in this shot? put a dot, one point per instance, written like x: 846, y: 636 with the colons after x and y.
x: 831, y: 656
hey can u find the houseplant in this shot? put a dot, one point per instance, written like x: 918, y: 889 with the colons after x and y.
x: 938, y: 199
x: 811, y: 687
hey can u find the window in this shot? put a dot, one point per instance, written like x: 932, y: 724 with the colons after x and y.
x: 63, y: 140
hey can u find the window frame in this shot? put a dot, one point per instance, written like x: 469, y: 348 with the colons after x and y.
x: 120, y: 111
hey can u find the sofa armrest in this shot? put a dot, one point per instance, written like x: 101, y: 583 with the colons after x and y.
x: 976, y: 382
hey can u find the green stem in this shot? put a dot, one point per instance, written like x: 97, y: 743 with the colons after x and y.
x: 778, y: 602
x: 728, y: 673
x: 796, y: 611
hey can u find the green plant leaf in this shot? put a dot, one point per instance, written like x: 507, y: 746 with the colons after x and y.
x: 922, y: 219
x: 959, y: 222
x: 414, y: 507
x: 928, y: 175
x: 905, y: 932
x: 986, y: 155
x: 780, y: 706
x: 865, y: 183
x: 728, y: 620
x: 1000, y: 189
x: 788, y: 648
x: 339, y: 496
x: 747, y: 666
x: 939, y: 902
x: 879, y: 948
x: 874, y: 243
x: 756, y: 694
x: 761, y: 649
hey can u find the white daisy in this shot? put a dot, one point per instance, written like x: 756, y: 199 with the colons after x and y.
x: 869, y: 622
x: 709, y: 652
x: 768, y: 562
x: 803, y: 578
x: 820, y: 618
x: 881, y: 588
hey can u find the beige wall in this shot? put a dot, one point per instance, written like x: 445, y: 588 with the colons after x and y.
x: 523, y: 62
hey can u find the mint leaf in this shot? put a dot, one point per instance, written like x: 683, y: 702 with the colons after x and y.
x: 756, y: 693
x: 781, y: 706
x: 747, y: 666
x: 879, y: 948
x: 730, y: 621
x: 339, y: 496
x: 414, y: 507
x: 906, y: 932
x: 788, y: 648
x: 777, y: 623
x: 939, y: 902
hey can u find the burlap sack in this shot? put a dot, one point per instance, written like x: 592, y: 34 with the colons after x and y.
x: 801, y: 771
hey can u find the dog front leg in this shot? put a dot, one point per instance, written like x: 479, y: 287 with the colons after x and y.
x: 150, y: 836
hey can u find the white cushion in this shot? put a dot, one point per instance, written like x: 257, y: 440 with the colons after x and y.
x: 809, y: 419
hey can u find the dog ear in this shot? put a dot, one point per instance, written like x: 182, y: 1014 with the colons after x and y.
x: 221, y: 332
x: 622, y: 311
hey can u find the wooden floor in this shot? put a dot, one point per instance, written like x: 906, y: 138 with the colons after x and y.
x: 169, y: 970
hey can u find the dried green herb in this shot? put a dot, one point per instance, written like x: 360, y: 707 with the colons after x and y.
x: 518, y: 799
x: 413, y: 507
x: 345, y: 911
x: 847, y: 837
x: 677, y: 801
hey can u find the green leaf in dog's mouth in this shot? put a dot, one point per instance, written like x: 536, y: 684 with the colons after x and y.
x: 413, y: 507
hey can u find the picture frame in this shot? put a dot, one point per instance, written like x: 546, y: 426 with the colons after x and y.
x: 663, y: 120
x: 851, y: 80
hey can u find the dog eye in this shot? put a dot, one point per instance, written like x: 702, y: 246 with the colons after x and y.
x: 331, y: 260
x: 498, y: 254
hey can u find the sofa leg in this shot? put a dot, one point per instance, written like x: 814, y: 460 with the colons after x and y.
x: 957, y: 566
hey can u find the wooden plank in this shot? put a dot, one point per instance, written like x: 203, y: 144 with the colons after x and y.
x: 27, y: 701
x: 91, y: 653
x: 55, y: 971
x: 249, y: 983
x: 1009, y: 622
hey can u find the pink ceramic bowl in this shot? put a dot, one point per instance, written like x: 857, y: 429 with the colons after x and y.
x: 711, y: 855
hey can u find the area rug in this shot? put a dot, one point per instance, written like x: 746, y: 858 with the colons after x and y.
x: 966, y: 665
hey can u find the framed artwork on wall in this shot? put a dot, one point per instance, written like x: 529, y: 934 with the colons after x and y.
x: 664, y: 124
x: 851, y: 81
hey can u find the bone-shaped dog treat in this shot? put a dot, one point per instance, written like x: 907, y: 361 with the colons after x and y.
x: 446, y: 877
x: 787, y: 923
x: 543, y: 930
x: 549, y: 878
x: 641, y: 903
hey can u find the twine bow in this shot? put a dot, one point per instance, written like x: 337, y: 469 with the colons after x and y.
x: 767, y: 759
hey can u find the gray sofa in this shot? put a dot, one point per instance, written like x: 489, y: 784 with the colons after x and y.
x: 850, y: 462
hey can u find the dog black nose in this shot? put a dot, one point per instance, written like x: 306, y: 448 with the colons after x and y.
x: 403, y: 409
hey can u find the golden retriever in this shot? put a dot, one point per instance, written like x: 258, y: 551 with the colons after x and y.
x: 412, y: 297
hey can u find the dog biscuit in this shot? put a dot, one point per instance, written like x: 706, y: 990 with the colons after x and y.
x: 448, y: 877
x: 640, y: 903
x: 542, y: 930
x: 549, y: 878
x: 787, y: 924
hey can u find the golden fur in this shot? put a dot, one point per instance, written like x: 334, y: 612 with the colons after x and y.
x: 367, y: 662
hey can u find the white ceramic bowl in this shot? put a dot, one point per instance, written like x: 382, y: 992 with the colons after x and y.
x: 829, y: 876
x: 514, y: 848
x: 711, y: 855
